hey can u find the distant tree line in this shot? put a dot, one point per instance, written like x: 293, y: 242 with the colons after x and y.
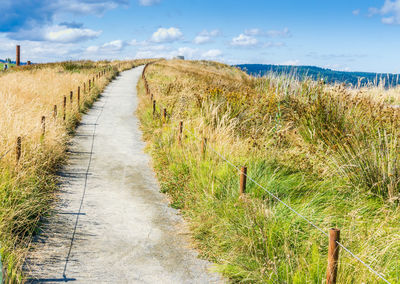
x: 328, y: 75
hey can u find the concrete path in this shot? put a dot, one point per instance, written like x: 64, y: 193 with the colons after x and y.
x: 111, y: 224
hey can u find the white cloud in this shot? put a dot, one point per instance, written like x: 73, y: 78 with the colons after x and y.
x: 390, y: 12
x: 212, y: 53
x: 244, y: 40
x: 111, y: 47
x: 149, y: 2
x: 356, y: 12
x: 205, y: 36
x: 166, y: 35
x: 63, y: 34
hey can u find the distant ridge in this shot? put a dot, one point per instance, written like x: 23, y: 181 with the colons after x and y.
x: 329, y: 75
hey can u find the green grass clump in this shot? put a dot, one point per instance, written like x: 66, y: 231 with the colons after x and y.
x: 329, y: 155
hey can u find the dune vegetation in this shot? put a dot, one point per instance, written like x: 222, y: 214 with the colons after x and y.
x: 27, y: 186
x: 330, y: 152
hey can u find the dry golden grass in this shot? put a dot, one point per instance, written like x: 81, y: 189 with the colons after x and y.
x: 330, y: 152
x: 27, y: 187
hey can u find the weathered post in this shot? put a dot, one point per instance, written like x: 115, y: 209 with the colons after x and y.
x: 165, y: 114
x: 180, y: 132
x: 203, y: 147
x: 89, y: 85
x: 84, y: 87
x: 79, y: 98
x: 18, y: 56
x: 64, y: 107
x: 333, y: 256
x: 18, y: 149
x: 55, y: 112
x: 43, y: 121
x: 243, y: 178
x: 154, y: 107
x: 28, y: 62
x: 71, y: 98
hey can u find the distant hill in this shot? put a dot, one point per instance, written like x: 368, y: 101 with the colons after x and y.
x: 329, y: 75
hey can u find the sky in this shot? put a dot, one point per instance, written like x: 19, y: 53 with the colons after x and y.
x: 348, y: 35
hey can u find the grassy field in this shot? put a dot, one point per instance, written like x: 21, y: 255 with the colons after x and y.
x: 330, y: 152
x: 9, y: 65
x: 27, y: 188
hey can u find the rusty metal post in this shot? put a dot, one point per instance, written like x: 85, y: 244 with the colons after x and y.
x: 203, y: 147
x: 64, y: 107
x: 333, y: 256
x: 154, y: 107
x: 243, y: 178
x: 43, y: 125
x: 55, y: 112
x: 18, y: 56
x: 18, y: 149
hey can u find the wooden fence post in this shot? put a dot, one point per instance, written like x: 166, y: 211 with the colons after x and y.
x: 154, y: 107
x: 89, y: 85
x: 203, y: 147
x: 71, y: 98
x: 243, y: 178
x: 55, y: 112
x: 84, y: 87
x: 165, y: 114
x: 79, y: 98
x: 64, y: 107
x: 43, y: 125
x: 180, y: 132
x: 18, y: 148
x: 333, y: 256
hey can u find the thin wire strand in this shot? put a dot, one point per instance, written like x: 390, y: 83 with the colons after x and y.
x: 285, y: 204
x: 293, y: 210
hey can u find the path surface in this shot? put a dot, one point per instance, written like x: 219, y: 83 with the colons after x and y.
x: 111, y: 224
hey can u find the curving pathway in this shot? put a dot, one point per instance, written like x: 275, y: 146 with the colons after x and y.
x: 111, y: 224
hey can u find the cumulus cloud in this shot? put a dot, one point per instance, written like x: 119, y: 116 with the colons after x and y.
x: 166, y: 35
x: 149, y: 2
x: 212, y: 54
x: 356, y: 12
x: 244, y: 40
x: 107, y: 48
x: 58, y: 33
x: 206, y: 36
x: 62, y: 34
x: 390, y: 12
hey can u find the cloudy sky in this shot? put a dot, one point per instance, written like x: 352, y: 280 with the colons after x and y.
x: 355, y: 35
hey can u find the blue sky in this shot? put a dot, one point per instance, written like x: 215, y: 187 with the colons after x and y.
x: 354, y: 35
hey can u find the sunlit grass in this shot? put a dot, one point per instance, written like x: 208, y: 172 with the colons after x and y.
x: 330, y: 152
x: 27, y: 188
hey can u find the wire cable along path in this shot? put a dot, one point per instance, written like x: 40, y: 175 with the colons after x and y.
x: 160, y: 111
x: 111, y: 223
